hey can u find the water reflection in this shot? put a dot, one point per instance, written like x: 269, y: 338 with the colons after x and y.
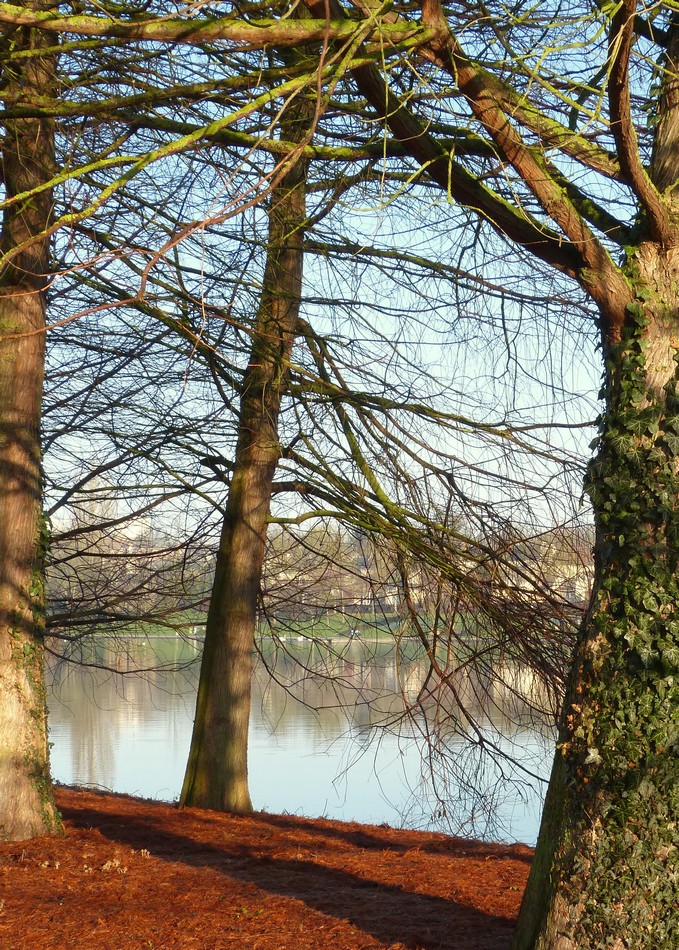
x: 328, y: 733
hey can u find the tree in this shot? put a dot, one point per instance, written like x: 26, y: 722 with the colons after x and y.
x: 27, y: 807
x: 604, y: 864
x: 330, y: 387
x: 216, y: 774
x: 358, y: 483
x: 93, y: 170
x: 551, y: 134
x: 536, y: 114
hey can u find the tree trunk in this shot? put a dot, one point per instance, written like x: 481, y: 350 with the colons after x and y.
x: 217, y: 773
x: 606, y: 869
x: 26, y: 802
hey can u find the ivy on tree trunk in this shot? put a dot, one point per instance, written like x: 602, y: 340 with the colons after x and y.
x: 606, y: 863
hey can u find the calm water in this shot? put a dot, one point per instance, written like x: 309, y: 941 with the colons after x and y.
x: 327, y: 736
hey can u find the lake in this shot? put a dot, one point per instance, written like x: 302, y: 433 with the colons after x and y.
x: 328, y: 735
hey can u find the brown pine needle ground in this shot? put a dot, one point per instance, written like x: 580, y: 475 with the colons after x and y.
x: 139, y: 874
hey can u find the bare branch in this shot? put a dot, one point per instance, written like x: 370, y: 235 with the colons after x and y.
x: 622, y: 126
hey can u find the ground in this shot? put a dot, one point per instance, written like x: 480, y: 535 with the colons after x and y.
x: 138, y: 874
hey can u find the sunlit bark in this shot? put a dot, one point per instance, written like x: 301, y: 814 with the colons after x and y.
x: 606, y: 860
x: 26, y: 802
x: 217, y: 775
x: 605, y: 867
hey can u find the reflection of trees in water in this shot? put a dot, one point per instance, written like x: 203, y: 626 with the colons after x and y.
x: 468, y: 730
x: 161, y: 662
x: 478, y: 728
x: 392, y: 680
x: 339, y: 687
x: 105, y: 686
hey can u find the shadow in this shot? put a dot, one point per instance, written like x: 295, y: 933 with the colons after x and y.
x: 387, y: 838
x: 394, y: 914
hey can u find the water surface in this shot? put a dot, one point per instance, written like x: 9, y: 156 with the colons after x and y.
x: 327, y: 735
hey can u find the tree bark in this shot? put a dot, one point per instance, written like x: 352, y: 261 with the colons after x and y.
x: 217, y: 772
x: 26, y: 802
x: 605, y: 871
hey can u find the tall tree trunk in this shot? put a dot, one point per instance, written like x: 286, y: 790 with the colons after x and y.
x: 217, y: 772
x: 606, y: 868
x: 26, y: 802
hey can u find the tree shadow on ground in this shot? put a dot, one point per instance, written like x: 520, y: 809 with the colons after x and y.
x: 382, y: 839
x: 393, y: 914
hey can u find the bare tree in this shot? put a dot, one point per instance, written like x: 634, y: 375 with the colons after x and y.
x: 513, y: 116
x: 614, y: 776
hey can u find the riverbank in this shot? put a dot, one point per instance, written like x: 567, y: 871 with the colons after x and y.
x: 138, y: 874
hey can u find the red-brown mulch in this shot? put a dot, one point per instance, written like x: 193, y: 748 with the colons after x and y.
x: 139, y: 874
